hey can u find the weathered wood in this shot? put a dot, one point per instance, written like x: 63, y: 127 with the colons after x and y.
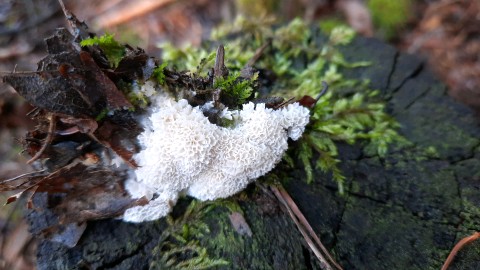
x: 402, y: 212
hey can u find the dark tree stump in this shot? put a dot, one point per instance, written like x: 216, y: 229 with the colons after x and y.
x: 403, y: 212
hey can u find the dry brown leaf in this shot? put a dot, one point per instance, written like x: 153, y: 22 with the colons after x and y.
x: 240, y: 224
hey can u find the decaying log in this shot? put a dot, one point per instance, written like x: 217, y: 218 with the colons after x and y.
x: 405, y: 211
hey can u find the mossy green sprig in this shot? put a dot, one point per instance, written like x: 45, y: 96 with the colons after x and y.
x: 235, y: 87
x: 113, y: 50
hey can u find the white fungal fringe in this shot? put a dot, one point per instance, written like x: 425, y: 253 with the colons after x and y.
x: 183, y: 151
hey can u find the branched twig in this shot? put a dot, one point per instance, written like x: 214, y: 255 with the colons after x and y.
x: 457, y: 248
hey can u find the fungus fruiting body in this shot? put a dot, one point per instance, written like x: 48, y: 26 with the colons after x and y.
x: 183, y: 152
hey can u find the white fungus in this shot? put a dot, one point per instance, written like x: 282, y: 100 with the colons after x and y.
x: 183, y: 152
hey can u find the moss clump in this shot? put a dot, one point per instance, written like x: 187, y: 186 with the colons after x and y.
x: 348, y: 119
x: 188, y: 58
x: 349, y: 112
x: 158, y: 73
x: 178, y: 247
x: 390, y: 16
x: 236, y: 88
x: 113, y: 50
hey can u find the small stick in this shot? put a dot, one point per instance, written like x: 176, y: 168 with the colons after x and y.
x: 323, y: 92
x: 307, y: 226
x: 324, y: 263
x: 65, y: 11
x: 219, y: 71
x: 78, y: 28
x: 219, y: 68
x: 48, y: 139
x: 247, y: 72
x: 30, y: 174
x: 457, y: 248
x: 285, y: 103
x: 258, y: 53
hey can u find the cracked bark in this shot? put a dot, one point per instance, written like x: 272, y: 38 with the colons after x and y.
x: 404, y: 212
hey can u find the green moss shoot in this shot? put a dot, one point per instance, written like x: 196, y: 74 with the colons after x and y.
x: 158, y: 73
x: 101, y: 115
x: 113, y: 50
x: 236, y: 88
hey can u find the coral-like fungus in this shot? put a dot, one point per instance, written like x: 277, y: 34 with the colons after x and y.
x: 184, y: 152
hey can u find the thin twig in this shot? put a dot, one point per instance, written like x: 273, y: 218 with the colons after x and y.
x: 48, y: 139
x: 285, y: 103
x: 322, y: 93
x: 219, y: 71
x: 65, y: 11
x: 50, y: 176
x: 30, y: 174
x: 258, y: 53
x: 324, y: 263
x: 307, y: 226
x: 457, y: 248
x: 78, y: 28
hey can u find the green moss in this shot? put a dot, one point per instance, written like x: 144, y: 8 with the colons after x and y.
x: 235, y: 88
x: 188, y: 58
x: 341, y: 35
x: 102, y: 115
x: 158, y: 73
x: 380, y: 232
x: 253, y: 252
x: 358, y: 115
x: 133, y: 93
x: 127, y: 35
x: 113, y: 50
x: 349, y: 120
x: 257, y: 27
x: 390, y: 16
x: 327, y: 25
x: 179, y: 248
x: 470, y: 215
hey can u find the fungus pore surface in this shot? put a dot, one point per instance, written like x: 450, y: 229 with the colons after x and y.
x: 183, y: 152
